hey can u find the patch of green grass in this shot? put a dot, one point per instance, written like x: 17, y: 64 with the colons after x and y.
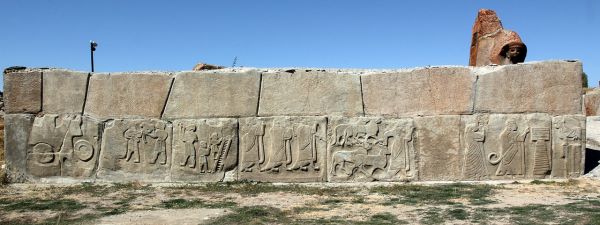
x: 180, y: 203
x: 332, y: 201
x: 433, y: 216
x: 458, y: 213
x: 247, y: 188
x: 99, y: 190
x: 542, y: 182
x: 443, y: 194
x: 36, y: 204
x: 358, y: 200
x: 253, y: 215
x: 383, y: 218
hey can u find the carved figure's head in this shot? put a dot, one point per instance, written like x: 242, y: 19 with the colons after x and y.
x: 191, y: 127
x: 511, y: 125
x: 515, y: 52
x: 160, y: 125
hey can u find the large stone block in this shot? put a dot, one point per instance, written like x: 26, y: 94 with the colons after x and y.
x: 283, y: 149
x: 518, y: 146
x: 64, y: 91
x: 593, y: 132
x: 213, y: 94
x: 127, y: 95
x: 310, y: 93
x: 23, y: 92
x: 429, y: 91
x: 372, y: 149
x: 546, y: 87
x: 568, y: 145
x: 592, y: 103
x: 17, y: 128
x: 136, y: 150
x: 63, y: 145
x: 204, y: 149
x: 440, y: 156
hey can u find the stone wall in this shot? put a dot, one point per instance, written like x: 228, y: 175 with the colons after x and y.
x: 519, y: 121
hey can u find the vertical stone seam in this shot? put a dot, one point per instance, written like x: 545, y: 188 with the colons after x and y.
x: 41, y: 92
x: 260, y: 80
x: 474, y: 92
x: 87, y: 88
x: 362, y: 98
x: 162, y: 112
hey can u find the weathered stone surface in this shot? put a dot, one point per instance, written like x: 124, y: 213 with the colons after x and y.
x: 136, y: 150
x: 592, y: 103
x: 204, y: 149
x: 372, y: 149
x: 209, y: 94
x: 63, y: 145
x: 593, y: 132
x: 64, y: 91
x: 429, y: 91
x: 492, y: 44
x: 127, y: 95
x: 16, y: 136
x: 550, y: 87
x: 23, y: 92
x: 507, y: 146
x: 568, y: 144
x: 310, y: 93
x: 440, y: 155
x: 283, y: 149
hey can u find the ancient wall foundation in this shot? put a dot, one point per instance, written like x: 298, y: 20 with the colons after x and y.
x: 522, y: 121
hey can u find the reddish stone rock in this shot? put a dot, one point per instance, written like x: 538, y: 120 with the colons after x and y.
x: 204, y: 66
x: 492, y: 44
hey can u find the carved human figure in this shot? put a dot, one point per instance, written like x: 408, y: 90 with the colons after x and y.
x: 512, y: 159
x: 305, y: 148
x: 253, y: 148
x: 214, y: 143
x: 280, y: 149
x: 160, y: 146
x: 570, y: 147
x: 399, y: 148
x: 203, y: 151
x: 475, y: 162
x: 133, y: 135
x: 189, y: 139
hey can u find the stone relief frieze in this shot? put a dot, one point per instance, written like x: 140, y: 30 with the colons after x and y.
x: 204, y: 149
x: 63, y: 145
x: 569, y: 145
x: 372, y: 149
x: 283, y: 148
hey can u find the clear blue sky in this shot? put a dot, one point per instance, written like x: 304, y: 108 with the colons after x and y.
x: 174, y: 35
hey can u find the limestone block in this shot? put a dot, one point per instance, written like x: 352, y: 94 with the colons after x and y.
x: 136, y: 150
x: 592, y: 103
x: 310, y: 93
x: 593, y: 132
x: 64, y: 91
x: 63, y: 145
x: 548, y: 87
x: 23, y: 92
x: 204, y: 149
x: 440, y: 156
x: 283, y: 149
x: 16, y: 136
x: 372, y: 149
x: 430, y: 91
x: 127, y: 95
x: 210, y: 94
x: 568, y: 144
x: 507, y: 146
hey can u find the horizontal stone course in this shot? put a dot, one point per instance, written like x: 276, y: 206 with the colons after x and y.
x: 23, y: 92
x: 64, y: 91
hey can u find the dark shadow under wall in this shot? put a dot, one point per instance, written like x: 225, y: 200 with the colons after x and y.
x: 591, y: 159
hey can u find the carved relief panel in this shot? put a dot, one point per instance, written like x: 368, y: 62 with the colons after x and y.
x: 507, y: 146
x: 136, y: 149
x: 63, y: 145
x: 283, y: 149
x: 204, y: 149
x: 372, y: 149
x: 568, y: 143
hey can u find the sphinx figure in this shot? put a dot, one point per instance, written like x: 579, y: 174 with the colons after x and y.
x: 492, y: 44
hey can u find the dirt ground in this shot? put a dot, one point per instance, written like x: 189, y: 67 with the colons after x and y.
x: 536, y: 202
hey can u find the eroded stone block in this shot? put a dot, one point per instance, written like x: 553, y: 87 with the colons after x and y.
x: 439, y: 147
x: 136, y: 150
x: 310, y: 93
x: 210, y: 94
x: 204, y: 149
x: 545, y: 87
x: 372, y: 149
x: 283, y: 149
x: 64, y: 91
x: 429, y: 91
x: 592, y: 103
x: 17, y: 128
x: 63, y: 145
x: 23, y: 92
x: 568, y: 143
x: 592, y: 132
x: 127, y: 95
